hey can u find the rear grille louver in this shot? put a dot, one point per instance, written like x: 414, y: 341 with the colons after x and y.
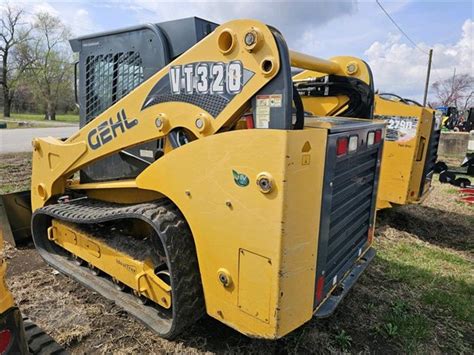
x: 348, y: 209
x: 352, y: 190
x: 431, y: 157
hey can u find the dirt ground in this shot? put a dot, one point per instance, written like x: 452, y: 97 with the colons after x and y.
x: 416, y: 296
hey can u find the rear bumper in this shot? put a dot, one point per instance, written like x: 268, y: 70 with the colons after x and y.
x: 12, y: 321
x: 330, y: 304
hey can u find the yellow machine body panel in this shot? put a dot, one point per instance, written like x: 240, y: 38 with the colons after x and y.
x: 6, y: 298
x: 409, y: 128
x: 11, y: 321
x: 237, y: 229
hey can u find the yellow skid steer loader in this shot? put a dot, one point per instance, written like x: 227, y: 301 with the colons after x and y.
x: 202, y: 185
x: 410, y: 150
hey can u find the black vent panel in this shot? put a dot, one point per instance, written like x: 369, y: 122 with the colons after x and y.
x: 351, y: 210
x: 431, y: 157
x: 348, y: 209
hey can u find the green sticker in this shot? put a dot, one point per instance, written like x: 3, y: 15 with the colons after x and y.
x: 240, y: 179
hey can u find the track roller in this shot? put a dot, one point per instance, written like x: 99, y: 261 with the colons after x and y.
x: 93, y: 269
x: 77, y: 260
x: 118, y: 285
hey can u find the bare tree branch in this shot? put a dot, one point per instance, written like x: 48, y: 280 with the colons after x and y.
x: 456, y: 91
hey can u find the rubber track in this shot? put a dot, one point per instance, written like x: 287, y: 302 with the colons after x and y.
x: 175, y: 235
x: 40, y: 343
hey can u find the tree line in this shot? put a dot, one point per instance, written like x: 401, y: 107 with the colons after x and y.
x: 36, y: 62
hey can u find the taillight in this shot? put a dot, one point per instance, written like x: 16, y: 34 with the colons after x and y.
x: 370, y: 235
x: 341, y: 146
x: 319, y: 288
x: 5, y: 340
x: 378, y: 136
x: 370, y: 138
x: 353, y: 142
x: 249, y: 121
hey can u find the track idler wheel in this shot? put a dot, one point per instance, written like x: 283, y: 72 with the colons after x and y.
x: 95, y: 271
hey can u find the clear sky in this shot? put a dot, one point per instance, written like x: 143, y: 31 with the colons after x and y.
x: 322, y: 28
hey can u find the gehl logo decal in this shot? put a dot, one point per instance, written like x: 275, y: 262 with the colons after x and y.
x: 108, y: 130
x: 207, y: 78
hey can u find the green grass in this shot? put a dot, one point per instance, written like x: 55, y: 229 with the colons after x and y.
x: 452, y: 191
x: 436, y: 286
x: 11, y: 125
x: 7, y: 188
x: 343, y: 340
x: 40, y: 117
x: 403, y: 322
x: 457, y: 302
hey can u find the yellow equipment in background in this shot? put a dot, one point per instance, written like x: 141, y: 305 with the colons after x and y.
x: 228, y: 201
x: 413, y: 131
x: 12, y: 335
x: 410, y: 150
x: 18, y: 335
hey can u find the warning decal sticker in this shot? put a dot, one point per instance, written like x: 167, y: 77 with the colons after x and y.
x: 264, y: 103
x: 400, y: 128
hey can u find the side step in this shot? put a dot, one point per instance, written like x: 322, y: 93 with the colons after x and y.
x: 330, y: 305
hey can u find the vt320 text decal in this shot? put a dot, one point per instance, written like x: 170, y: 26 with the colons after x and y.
x: 207, y: 78
x: 109, y: 130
